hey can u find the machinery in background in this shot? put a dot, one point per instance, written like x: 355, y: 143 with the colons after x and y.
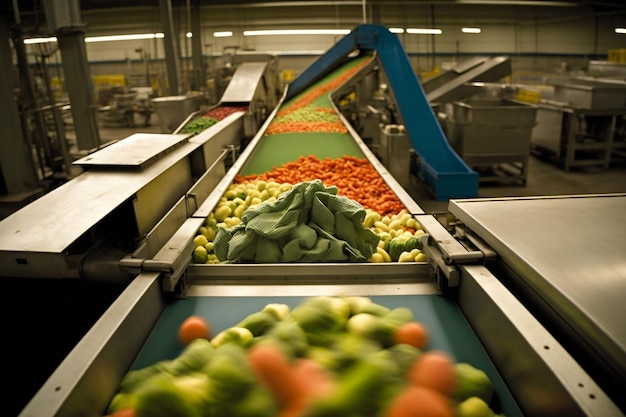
x: 575, y: 120
x: 490, y: 132
x: 492, y: 135
x: 253, y: 84
x: 581, y: 121
x: 116, y: 206
x: 463, y: 79
x: 222, y: 69
x: 129, y: 108
x: 484, y: 121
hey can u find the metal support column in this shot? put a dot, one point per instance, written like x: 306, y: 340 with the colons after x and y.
x: 17, y: 172
x: 170, y: 43
x: 64, y: 18
x: 198, y: 81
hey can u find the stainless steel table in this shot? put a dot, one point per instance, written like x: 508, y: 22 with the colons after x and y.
x: 565, y: 255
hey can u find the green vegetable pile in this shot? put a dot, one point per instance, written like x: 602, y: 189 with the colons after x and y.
x: 216, y: 378
x: 198, y: 125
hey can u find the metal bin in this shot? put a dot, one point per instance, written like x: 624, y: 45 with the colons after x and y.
x: 173, y: 110
x: 493, y: 134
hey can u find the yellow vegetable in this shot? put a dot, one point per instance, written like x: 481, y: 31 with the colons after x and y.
x: 238, y: 212
x: 384, y: 254
x: 377, y: 258
x: 381, y: 226
x: 221, y: 213
x: 200, y: 240
x: 406, y: 257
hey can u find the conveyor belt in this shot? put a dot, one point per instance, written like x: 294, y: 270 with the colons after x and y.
x: 276, y: 150
x: 140, y: 327
x: 449, y: 330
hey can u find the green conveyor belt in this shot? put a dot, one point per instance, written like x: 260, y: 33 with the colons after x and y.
x: 449, y: 330
x: 276, y: 150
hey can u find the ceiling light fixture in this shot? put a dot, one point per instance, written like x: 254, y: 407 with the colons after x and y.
x: 419, y: 31
x: 396, y: 30
x: 134, y: 37
x: 223, y: 34
x: 620, y: 30
x: 520, y: 3
x: 110, y: 38
x: 279, y: 32
x: 39, y: 40
x: 470, y: 30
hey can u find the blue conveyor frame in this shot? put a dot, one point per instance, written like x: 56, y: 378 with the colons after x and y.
x: 439, y: 166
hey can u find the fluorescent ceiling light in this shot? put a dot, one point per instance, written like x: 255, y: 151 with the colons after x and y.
x: 224, y: 34
x: 470, y: 30
x: 39, y: 40
x: 296, y: 32
x: 396, y: 30
x: 419, y: 31
x: 137, y: 36
x: 620, y: 30
x: 520, y: 3
x: 134, y: 37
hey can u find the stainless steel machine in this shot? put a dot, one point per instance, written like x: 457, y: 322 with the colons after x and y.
x: 127, y: 188
x: 581, y: 124
x: 493, y: 136
x: 507, y: 285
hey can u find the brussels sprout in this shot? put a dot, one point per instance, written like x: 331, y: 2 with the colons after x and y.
x: 474, y: 407
x: 167, y: 396
x: 238, y: 335
x: 472, y: 382
x: 321, y: 314
x: 230, y: 373
x: 259, y: 322
x: 195, y: 356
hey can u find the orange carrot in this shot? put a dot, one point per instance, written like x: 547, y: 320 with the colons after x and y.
x: 416, y: 401
x: 273, y: 369
x: 317, y: 380
x: 354, y: 178
x: 412, y: 333
x: 435, y: 370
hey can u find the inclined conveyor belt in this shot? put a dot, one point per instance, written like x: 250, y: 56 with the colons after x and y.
x: 439, y: 166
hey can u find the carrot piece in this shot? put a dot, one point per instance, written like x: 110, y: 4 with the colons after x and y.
x: 412, y: 333
x: 273, y: 369
x: 435, y: 370
x: 417, y: 401
x: 193, y: 327
x: 314, y: 377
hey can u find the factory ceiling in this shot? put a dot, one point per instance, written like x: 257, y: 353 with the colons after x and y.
x: 26, y: 6
x: 33, y: 10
